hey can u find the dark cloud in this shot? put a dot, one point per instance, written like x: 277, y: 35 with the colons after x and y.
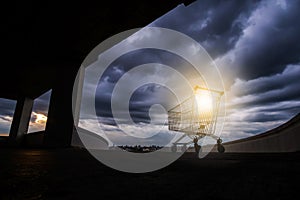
x: 256, y: 41
x: 140, y: 103
x: 256, y: 45
x: 275, y: 91
x: 269, y: 42
x: 33, y: 118
x: 264, y: 67
x: 291, y: 109
x: 266, y: 117
x: 288, y: 78
x: 41, y: 104
x: 7, y: 107
x: 216, y: 25
x: 289, y: 92
x: 145, y: 96
x: 4, y: 118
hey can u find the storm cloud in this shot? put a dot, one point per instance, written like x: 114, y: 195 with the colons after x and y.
x: 256, y: 46
x: 269, y: 42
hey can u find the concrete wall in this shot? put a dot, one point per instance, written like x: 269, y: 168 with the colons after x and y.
x: 35, y: 139
x: 285, y: 138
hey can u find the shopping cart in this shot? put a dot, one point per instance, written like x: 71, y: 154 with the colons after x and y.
x: 196, y: 117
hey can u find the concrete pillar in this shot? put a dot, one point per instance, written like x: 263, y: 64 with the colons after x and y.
x: 20, y: 123
x: 60, y: 124
x: 76, y: 105
x: 77, y: 94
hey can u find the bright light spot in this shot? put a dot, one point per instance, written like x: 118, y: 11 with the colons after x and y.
x: 40, y: 118
x: 204, y: 101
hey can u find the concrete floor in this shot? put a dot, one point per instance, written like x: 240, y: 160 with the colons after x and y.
x: 73, y: 173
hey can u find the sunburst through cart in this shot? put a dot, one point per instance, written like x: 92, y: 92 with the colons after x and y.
x: 197, y: 118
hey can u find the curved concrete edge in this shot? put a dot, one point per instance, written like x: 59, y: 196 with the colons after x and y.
x: 95, y: 141
x: 284, y: 138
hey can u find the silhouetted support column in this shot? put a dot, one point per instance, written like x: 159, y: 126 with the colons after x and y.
x: 21, y: 119
x: 76, y: 105
x: 59, y: 127
x: 77, y: 95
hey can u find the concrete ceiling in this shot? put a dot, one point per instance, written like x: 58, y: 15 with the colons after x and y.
x: 47, y: 40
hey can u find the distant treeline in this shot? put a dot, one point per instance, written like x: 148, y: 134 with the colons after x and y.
x: 139, y: 148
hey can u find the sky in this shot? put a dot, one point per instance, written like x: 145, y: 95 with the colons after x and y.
x: 7, y: 108
x: 38, y: 115
x: 255, y: 45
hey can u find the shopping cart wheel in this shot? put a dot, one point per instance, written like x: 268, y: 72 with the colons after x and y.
x: 174, y: 148
x: 197, y: 148
x: 221, y: 148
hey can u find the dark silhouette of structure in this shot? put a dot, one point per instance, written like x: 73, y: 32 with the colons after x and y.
x: 44, y: 46
x: 45, y: 43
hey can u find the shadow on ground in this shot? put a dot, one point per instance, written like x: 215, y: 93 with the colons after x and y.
x: 73, y: 173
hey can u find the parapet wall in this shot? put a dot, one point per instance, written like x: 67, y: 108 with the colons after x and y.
x: 285, y: 138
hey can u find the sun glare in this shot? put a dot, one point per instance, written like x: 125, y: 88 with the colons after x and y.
x: 204, y: 101
x: 40, y: 118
